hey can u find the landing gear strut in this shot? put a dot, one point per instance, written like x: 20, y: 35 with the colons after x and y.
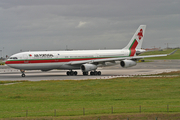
x: 71, y: 73
x: 23, y: 73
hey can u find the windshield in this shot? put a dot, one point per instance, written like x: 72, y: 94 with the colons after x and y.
x: 14, y: 58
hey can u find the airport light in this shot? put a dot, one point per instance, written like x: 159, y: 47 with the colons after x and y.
x: 1, y: 53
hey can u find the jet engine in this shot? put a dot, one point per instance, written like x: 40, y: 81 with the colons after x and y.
x: 88, y: 67
x: 127, y: 63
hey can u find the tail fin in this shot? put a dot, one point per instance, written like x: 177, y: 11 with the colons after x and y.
x: 136, y: 40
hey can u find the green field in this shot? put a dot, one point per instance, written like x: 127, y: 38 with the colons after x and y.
x: 2, y: 63
x: 130, y: 96
x: 137, y: 98
x: 176, y: 55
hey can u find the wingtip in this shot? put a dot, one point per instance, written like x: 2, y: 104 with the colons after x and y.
x: 172, y: 52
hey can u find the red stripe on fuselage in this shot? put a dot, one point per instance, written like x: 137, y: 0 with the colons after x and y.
x: 48, y: 61
x: 133, y: 51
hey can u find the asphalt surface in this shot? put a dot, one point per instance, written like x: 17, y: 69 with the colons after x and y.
x: 143, y: 68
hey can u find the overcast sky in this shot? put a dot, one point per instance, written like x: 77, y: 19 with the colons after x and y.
x: 86, y: 24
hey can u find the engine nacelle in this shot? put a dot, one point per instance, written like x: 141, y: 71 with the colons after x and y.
x: 127, y: 63
x: 88, y: 67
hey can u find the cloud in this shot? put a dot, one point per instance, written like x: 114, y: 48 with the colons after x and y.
x: 53, y: 24
x: 81, y: 24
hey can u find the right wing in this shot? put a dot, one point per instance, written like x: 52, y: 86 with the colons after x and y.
x: 93, y: 61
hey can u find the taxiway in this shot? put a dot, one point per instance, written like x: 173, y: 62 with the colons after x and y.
x: 143, y: 68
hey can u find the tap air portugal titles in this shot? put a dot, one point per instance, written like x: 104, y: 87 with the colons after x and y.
x: 86, y: 60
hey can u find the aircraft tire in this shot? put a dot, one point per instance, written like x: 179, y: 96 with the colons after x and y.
x: 23, y: 75
x: 99, y: 72
x: 95, y: 73
x: 68, y: 73
x: 85, y: 73
x: 75, y: 72
x: 71, y: 73
x: 91, y: 73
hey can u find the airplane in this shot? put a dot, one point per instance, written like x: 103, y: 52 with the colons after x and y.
x: 86, y: 60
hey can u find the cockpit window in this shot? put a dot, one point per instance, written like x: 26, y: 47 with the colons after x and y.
x: 14, y: 58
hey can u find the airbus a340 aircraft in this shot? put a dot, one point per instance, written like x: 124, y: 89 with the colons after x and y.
x: 86, y: 60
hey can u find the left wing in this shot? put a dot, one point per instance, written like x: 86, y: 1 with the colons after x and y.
x: 117, y: 59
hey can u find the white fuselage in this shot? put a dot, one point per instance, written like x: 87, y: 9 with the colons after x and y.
x: 86, y: 60
x: 47, y: 60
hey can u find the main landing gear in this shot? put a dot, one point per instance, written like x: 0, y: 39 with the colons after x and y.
x: 71, y: 73
x: 92, y: 73
x: 23, y: 73
x: 95, y: 73
x: 85, y: 73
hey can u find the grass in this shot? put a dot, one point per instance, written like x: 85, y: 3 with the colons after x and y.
x: 174, y: 73
x: 2, y: 63
x: 176, y: 55
x: 130, y: 116
x: 68, y: 98
x: 7, y: 82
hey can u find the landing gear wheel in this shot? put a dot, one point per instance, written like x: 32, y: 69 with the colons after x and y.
x: 99, y: 72
x: 75, y: 72
x: 71, y: 73
x: 95, y: 73
x: 91, y: 73
x: 68, y: 73
x: 85, y: 73
x: 23, y: 75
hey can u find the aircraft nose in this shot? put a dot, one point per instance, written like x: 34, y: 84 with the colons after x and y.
x: 6, y: 62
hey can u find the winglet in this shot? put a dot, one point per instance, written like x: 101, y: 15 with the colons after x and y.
x: 172, y: 52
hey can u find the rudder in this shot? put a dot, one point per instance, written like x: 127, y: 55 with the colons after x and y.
x: 136, y: 40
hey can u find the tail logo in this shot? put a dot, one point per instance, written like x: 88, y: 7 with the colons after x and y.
x: 140, y: 34
x: 135, y: 43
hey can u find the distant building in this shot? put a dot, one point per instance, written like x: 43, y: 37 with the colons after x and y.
x: 152, y: 48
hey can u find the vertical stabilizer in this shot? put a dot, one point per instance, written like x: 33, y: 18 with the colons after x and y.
x: 136, y: 40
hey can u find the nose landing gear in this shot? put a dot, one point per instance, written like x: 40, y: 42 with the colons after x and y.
x: 23, y: 73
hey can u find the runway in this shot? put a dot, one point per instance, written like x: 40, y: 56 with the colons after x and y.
x: 144, y: 68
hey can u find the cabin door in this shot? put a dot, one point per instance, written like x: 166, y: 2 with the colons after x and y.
x: 25, y: 57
